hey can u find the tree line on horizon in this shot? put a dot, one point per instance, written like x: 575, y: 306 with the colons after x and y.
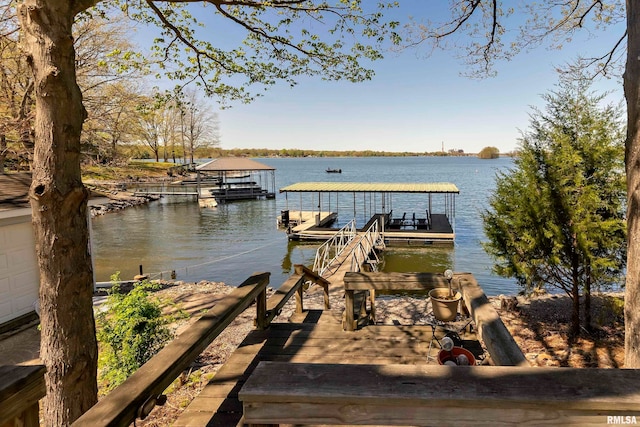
x: 143, y: 152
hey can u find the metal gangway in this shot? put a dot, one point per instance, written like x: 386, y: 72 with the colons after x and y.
x: 365, y: 251
x: 359, y: 246
x: 333, y: 248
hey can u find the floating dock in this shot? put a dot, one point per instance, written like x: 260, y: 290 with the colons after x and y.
x: 301, y: 221
x: 428, y: 220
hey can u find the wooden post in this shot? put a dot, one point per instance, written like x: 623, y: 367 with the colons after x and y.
x: 299, y: 269
x: 299, y: 300
x: 327, y: 304
x: 261, y: 310
x: 372, y: 298
x: 348, y: 310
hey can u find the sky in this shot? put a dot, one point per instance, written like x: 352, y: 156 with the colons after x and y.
x: 414, y: 103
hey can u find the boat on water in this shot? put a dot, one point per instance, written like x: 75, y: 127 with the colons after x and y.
x: 330, y: 170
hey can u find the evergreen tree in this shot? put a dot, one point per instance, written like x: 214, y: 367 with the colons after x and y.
x: 557, y: 219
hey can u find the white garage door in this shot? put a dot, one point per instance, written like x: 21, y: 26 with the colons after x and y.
x: 19, y: 278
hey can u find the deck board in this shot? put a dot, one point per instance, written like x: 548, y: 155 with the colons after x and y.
x: 15, y: 190
x: 322, y: 342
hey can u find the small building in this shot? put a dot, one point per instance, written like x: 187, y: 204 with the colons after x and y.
x: 19, y: 275
x: 235, y: 178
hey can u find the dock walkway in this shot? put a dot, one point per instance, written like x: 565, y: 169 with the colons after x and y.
x: 337, y: 268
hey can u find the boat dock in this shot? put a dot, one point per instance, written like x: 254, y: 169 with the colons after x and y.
x: 429, y: 220
x: 235, y: 178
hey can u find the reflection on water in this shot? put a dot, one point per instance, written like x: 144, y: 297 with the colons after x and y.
x: 227, y: 244
x: 429, y: 259
x: 234, y: 240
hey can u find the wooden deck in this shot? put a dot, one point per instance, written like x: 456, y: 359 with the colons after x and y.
x: 315, y: 337
x: 440, y: 231
x: 301, y: 221
x: 15, y: 190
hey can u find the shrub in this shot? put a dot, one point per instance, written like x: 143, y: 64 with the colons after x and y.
x: 130, y: 331
x: 489, y: 153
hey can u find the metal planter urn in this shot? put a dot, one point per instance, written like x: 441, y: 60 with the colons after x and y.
x: 444, y: 302
x: 444, y: 305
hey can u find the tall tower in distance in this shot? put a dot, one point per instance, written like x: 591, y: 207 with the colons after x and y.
x: 443, y: 146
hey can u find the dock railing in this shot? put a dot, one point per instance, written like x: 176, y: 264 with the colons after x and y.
x: 333, y: 247
x: 364, y: 251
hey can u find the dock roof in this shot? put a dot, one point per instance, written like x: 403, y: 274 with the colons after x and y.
x: 372, y: 187
x: 223, y: 164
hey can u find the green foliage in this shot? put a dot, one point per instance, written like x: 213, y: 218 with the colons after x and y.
x: 557, y: 219
x: 612, y: 310
x: 267, y: 44
x: 489, y: 153
x: 130, y: 331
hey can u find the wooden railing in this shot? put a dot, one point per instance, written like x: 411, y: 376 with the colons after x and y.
x: 433, y: 395
x: 21, y: 388
x: 138, y: 394
x: 495, y: 335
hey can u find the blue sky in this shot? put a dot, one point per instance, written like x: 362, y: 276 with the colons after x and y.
x: 413, y: 103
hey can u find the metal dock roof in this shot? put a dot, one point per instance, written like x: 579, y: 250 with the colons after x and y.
x: 372, y: 187
x: 233, y: 164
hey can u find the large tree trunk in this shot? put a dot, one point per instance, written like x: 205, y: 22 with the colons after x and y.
x: 59, y: 207
x: 632, y: 94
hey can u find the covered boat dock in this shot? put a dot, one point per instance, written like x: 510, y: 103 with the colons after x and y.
x: 411, y: 213
x: 235, y: 178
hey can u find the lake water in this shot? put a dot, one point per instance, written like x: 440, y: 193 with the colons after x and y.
x: 230, y: 242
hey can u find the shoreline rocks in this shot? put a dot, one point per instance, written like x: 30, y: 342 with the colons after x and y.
x: 120, y: 201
